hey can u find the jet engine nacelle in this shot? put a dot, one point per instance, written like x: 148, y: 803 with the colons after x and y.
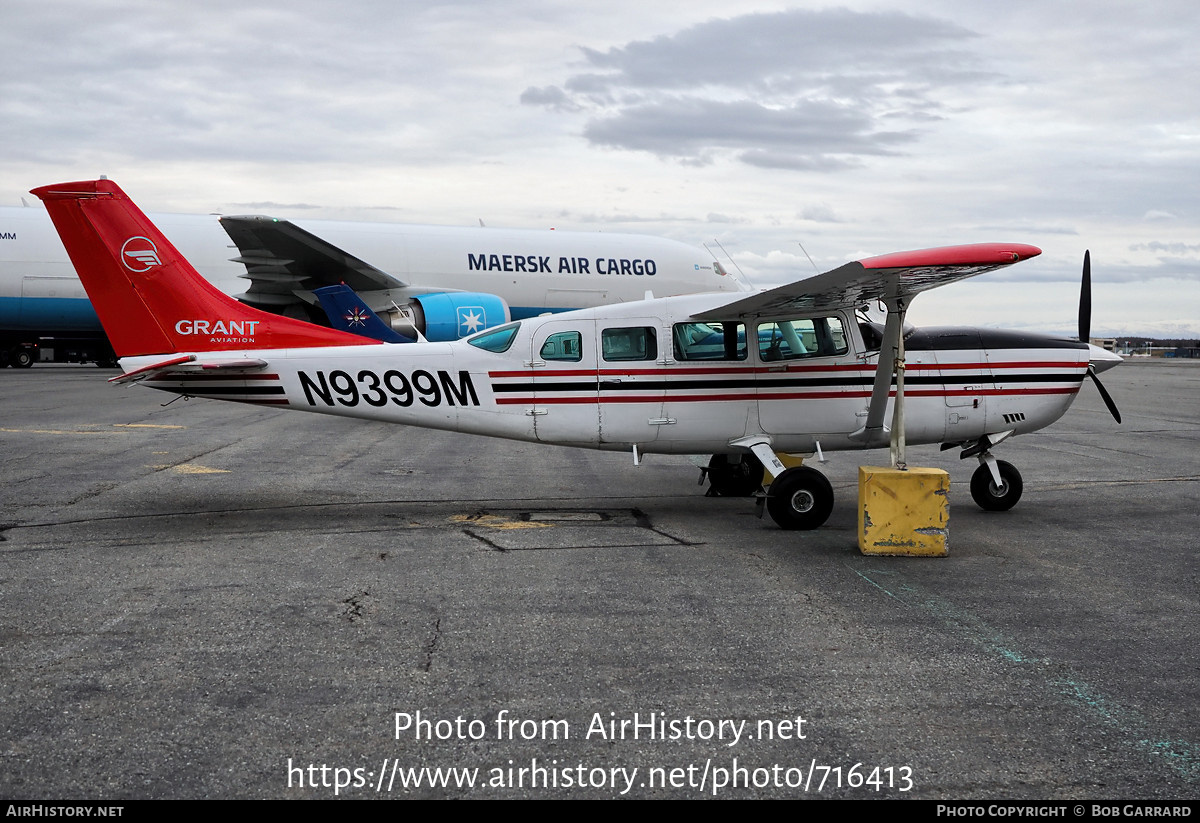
x: 446, y: 315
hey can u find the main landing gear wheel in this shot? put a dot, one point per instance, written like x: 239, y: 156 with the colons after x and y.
x: 800, y: 498
x: 729, y: 479
x: 992, y: 498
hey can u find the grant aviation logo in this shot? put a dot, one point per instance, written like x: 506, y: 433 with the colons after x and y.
x: 220, y: 331
x: 139, y: 255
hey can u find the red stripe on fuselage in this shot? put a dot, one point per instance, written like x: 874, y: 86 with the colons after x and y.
x: 788, y: 368
x: 791, y: 395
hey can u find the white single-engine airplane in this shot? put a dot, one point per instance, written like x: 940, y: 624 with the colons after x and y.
x: 789, y: 370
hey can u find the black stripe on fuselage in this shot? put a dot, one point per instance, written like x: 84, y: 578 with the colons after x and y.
x: 768, y: 382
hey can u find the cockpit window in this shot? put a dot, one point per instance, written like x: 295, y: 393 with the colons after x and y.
x: 563, y: 345
x: 808, y: 337
x: 496, y: 340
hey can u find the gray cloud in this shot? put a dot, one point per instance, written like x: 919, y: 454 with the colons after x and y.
x: 552, y: 97
x: 804, y: 90
x: 856, y: 131
x: 1104, y: 270
x: 808, y: 134
x: 1178, y: 249
x: 161, y: 81
x: 819, y: 214
x: 790, y: 51
x: 715, y: 217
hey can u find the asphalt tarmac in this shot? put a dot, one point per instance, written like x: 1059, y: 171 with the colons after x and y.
x: 206, y: 599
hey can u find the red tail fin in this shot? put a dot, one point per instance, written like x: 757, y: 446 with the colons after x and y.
x: 149, y: 298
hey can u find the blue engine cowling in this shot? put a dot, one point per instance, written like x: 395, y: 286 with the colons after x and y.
x: 453, y: 315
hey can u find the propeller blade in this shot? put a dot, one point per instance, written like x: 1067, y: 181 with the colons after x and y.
x: 1085, y: 300
x: 1108, y: 401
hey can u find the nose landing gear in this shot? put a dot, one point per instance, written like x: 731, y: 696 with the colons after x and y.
x: 996, y: 485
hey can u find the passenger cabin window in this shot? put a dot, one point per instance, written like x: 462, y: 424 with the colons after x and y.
x: 496, y: 340
x: 795, y: 339
x: 637, y: 343
x: 709, y: 341
x: 564, y: 346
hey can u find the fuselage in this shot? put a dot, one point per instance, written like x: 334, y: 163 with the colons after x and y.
x: 649, y: 375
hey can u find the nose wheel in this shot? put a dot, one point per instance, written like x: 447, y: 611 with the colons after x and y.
x: 992, y: 496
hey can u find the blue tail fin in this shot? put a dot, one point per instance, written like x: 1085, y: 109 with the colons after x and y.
x: 348, y: 312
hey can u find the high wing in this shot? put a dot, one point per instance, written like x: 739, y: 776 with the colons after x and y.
x: 285, y: 263
x: 894, y: 279
x: 888, y: 277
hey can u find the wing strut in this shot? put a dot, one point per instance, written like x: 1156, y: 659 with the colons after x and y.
x: 898, y: 307
x: 891, y: 365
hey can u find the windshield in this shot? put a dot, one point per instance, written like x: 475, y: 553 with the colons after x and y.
x: 496, y: 340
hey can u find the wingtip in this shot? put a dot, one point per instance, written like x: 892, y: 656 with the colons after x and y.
x: 973, y: 254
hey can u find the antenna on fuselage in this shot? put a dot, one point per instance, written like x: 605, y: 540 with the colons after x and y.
x: 806, y: 254
x: 730, y: 256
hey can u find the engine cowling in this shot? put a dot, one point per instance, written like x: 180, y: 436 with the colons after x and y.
x: 441, y: 316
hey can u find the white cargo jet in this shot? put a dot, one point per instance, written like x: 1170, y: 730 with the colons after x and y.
x: 436, y: 281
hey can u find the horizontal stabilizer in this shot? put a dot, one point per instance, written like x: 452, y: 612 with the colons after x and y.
x: 146, y: 371
x: 247, y: 364
x: 189, y: 364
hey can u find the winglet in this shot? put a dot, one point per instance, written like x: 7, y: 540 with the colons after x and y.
x: 148, y: 297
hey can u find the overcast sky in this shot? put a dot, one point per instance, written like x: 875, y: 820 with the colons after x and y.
x: 854, y: 129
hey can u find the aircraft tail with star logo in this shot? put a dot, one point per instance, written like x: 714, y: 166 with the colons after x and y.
x: 433, y: 316
x: 348, y: 312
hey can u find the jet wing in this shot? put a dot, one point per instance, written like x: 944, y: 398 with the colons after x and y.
x: 902, y: 274
x: 284, y: 263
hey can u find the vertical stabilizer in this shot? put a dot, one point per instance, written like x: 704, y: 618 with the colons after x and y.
x: 348, y: 312
x: 148, y: 297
